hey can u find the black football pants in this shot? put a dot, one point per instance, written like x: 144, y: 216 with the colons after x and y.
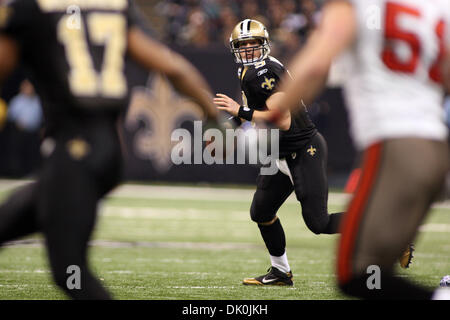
x: 84, y: 165
x: 308, y: 170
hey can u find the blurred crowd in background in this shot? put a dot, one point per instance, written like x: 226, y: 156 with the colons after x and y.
x: 206, y: 23
x: 198, y: 24
x: 203, y: 23
x: 21, y: 122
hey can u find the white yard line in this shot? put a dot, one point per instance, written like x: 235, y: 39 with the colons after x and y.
x: 138, y: 191
x: 171, y: 213
x: 6, y: 185
x: 202, y: 193
x: 430, y: 227
x: 435, y: 227
x: 146, y: 244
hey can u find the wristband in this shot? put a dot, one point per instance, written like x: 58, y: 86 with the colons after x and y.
x: 245, y: 113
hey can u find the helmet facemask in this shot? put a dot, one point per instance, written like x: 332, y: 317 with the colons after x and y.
x: 249, y: 30
x: 249, y: 55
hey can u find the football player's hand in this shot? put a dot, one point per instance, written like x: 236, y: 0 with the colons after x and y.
x: 227, y: 104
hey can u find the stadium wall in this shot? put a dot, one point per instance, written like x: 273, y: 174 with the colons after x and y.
x: 155, y: 110
x: 154, y: 102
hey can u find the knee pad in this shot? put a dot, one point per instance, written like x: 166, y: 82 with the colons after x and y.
x: 261, y: 211
x: 314, y: 224
x: 261, y: 215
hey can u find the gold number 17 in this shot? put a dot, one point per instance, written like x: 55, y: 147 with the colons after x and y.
x: 104, y: 29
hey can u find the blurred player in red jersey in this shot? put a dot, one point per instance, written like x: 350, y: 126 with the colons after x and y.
x: 394, y: 91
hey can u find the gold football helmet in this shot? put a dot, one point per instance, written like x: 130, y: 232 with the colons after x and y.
x: 249, y: 29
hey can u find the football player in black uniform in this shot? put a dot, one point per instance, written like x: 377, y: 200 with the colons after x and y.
x: 75, y: 52
x: 302, y: 151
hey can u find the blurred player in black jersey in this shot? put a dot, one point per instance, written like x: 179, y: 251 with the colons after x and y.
x: 302, y: 151
x: 74, y: 52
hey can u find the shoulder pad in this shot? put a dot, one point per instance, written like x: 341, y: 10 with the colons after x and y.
x: 276, y: 61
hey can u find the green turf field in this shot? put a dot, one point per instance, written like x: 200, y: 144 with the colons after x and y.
x: 165, y: 243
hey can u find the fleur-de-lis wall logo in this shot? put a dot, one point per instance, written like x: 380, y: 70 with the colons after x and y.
x: 268, y: 83
x: 161, y: 110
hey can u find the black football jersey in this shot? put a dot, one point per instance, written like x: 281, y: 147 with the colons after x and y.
x: 74, y: 52
x: 258, y: 83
